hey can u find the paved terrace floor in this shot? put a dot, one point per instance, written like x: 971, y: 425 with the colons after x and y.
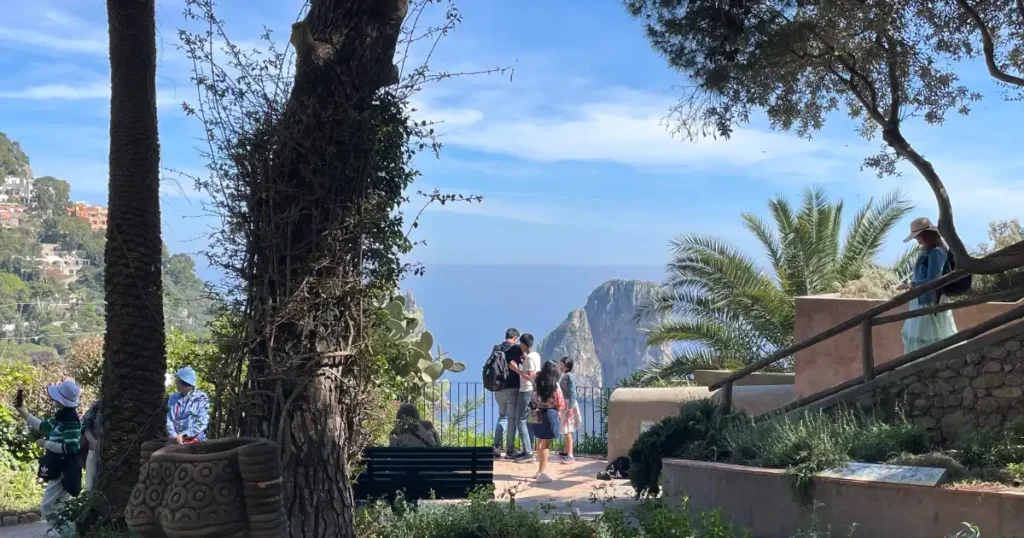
x: 574, y: 486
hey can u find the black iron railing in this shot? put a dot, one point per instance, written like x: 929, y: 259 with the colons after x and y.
x: 466, y: 414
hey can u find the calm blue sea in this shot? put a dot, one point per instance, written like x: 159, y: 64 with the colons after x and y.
x: 468, y: 307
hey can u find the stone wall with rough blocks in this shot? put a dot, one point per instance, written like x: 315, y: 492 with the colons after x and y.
x: 984, y: 388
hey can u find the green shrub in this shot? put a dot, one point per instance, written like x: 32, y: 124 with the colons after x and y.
x: 986, y: 449
x: 697, y: 433
x: 16, y: 444
x: 879, y: 441
x: 482, y: 517
x: 955, y: 471
x: 20, y: 492
x: 823, y: 439
x: 591, y: 444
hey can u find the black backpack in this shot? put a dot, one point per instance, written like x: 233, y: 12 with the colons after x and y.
x: 957, y: 287
x: 495, y: 370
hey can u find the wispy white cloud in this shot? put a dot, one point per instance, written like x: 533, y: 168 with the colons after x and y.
x: 36, y: 40
x: 504, y: 208
x: 623, y: 127
x: 79, y: 92
x: 992, y: 189
x: 45, y: 92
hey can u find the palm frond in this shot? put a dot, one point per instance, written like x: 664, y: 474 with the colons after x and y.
x: 685, y: 362
x: 706, y: 332
x: 660, y: 303
x: 903, y: 267
x: 772, y: 247
x: 726, y: 312
x: 867, y: 235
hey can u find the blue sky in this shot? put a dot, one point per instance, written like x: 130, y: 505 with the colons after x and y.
x: 570, y: 155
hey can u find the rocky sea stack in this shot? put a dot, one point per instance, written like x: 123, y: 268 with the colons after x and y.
x: 603, y: 338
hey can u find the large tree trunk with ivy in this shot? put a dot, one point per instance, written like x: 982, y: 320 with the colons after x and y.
x: 323, y: 251
x: 134, y: 356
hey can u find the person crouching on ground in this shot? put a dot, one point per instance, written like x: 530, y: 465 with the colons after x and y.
x: 188, y: 410
x: 61, y: 441
x: 546, y: 403
x: 412, y: 431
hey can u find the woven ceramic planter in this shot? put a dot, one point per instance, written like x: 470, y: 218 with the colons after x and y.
x: 223, y: 488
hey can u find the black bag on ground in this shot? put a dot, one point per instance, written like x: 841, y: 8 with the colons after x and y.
x: 617, y: 469
x: 495, y: 370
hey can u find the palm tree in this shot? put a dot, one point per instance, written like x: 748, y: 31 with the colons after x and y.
x: 727, y: 312
x: 134, y: 356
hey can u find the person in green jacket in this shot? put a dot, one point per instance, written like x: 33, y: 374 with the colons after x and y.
x: 61, y: 441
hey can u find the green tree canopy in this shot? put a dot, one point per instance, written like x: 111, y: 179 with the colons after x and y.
x: 187, y: 304
x: 13, y: 161
x: 53, y: 195
x: 727, y: 312
x: 74, y: 234
x: 17, y: 247
x: 881, y: 61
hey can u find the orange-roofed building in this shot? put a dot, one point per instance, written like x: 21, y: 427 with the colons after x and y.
x: 11, y: 215
x: 96, y: 215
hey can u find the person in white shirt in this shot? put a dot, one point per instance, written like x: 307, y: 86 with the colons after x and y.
x: 527, y: 372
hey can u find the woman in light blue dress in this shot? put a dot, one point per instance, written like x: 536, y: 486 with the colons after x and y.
x: 930, y: 328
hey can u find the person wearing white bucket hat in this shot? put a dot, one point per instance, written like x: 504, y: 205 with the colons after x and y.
x: 59, y: 467
x: 931, y: 264
x: 188, y: 409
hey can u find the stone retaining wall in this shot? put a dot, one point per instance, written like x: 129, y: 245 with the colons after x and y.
x: 11, y: 520
x: 763, y: 501
x: 984, y: 388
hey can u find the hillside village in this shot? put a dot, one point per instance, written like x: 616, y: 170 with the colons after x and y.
x: 51, y: 266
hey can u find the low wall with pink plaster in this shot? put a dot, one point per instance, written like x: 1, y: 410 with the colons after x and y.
x: 838, y: 359
x: 629, y: 409
x: 763, y: 501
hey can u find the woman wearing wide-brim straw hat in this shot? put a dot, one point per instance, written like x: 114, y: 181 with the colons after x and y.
x: 931, y: 261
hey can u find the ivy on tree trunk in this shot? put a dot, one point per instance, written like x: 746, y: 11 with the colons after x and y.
x: 325, y: 251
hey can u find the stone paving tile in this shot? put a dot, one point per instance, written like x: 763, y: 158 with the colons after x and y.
x: 30, y: 530
x: 573, y: 486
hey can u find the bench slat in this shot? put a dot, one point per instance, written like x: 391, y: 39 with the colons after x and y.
x: 429, y: 457
x: 431, y: 465
x: 447, y: 472
x: 443, y: 452
x: 423, y: 484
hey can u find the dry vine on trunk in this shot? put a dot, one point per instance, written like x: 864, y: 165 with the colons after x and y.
x: 309, y: 158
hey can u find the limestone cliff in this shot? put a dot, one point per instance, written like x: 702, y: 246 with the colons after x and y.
x: 572, y: 338
x: 603, y: 338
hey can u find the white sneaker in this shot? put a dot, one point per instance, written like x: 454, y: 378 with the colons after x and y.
x: 543, y: 478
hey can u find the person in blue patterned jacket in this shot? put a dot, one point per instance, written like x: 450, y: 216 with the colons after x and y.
x: 188, y: 409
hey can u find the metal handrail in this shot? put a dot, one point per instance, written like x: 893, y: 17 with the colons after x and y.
x: 866, y: 320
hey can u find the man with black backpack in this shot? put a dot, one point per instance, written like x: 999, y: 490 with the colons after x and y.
x: 501, y: 376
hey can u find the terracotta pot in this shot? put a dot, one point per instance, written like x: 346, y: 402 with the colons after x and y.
x: 223, y: 488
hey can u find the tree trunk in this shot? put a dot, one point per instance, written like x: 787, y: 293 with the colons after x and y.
x: 319, y: 216
x: 1012, y: 259
x: 135, y: 362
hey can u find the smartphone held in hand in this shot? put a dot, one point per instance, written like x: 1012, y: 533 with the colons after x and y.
x: 19, y: 399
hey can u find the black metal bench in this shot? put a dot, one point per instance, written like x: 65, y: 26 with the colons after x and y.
x: 424, y: 473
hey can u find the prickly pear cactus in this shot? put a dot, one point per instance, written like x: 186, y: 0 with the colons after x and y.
x: 419, y: 365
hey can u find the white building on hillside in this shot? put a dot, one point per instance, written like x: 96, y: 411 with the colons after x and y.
x: 68, y: 263
x: 16, y: 189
